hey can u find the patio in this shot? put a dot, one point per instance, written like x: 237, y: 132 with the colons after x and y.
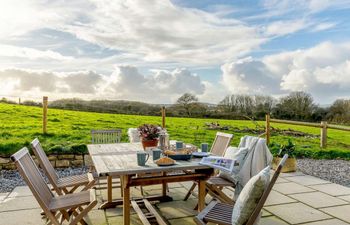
x: 296, y: 199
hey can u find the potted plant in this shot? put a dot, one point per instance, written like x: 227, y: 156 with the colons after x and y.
x: 149, y: 135
x: 291, y: 163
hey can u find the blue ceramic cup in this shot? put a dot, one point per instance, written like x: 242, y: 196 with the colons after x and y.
x: 156, y: 153
x: 179, y: 145
x: 204, y: 147
x: 142, y: 158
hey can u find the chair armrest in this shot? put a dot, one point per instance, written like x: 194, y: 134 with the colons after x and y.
x: 91, y: 177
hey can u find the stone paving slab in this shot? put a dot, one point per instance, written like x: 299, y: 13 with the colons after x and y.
x: 291, y: 188
x: 307, y: 180
x: 281, y: 180
x: 118, y: 211
x: 20, y: 192
x: 116, y: 220
x: 22, y: 217
x: 3, y: 196
x: 328, y: 222
x: 177, y: 209
x: 318, y: 199
x: 185, y: 220
x: 332, y: 189
x: 346, y: 197
x: 296, y: 199
x: 293, y: 174
x: 276, y: 198
x: 96, y: 217
x: 341, y: 212
x: 295, y: 213
x: 265, y: 213
x: 15, y: 204
x: 272, y: 220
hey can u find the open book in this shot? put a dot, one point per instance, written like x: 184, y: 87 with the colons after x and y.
x: 221, y: 163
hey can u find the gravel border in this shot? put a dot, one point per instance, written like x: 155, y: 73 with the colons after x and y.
x: 9, y: 179
x: 336, y: 170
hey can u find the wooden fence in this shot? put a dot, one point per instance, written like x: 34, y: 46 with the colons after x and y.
x: 323, y: 128
x: 323, y: 125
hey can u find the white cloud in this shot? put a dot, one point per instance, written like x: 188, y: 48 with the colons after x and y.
x: 126, y: 82
x: 30, y: 53
x: 322, y: 70
x: 25, y: 82
x: 284, y: 27
x: 160, y: 86
x: 248, y: 76
x: 323, y: 26
x: 157, y: 30
x: 19, y: 17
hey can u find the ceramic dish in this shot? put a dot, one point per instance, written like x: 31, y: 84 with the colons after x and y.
x: 200, y: 154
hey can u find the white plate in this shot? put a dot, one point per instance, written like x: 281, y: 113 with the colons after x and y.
x: 200, y: 154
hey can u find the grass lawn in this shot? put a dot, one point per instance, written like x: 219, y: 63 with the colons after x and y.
x: 70, y: 131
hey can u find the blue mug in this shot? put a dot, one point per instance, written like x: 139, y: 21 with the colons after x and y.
x: 179, y: 145
x: 156, y: 153
x: 204, y: 147
x: 142, y: 158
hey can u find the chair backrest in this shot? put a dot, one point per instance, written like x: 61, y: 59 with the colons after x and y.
x: 266, y: 193
x: 106, y: 136
x: 221, y: 143
x: 44, y: 162
x: 32, y: 176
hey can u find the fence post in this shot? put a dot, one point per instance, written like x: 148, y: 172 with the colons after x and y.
x: 45, y: 100
x: 163, y: 116
x: 267, y: 129
x: 323, y: 134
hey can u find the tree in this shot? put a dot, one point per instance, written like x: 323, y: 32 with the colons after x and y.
x: 339, y: 112
x: 297, y: 105
x: 263, y: 104
x: 187, y: 101
x: 247, y: 106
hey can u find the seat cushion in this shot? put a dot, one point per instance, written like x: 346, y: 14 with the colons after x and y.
x: 238, y: 155
x: 250, y: 196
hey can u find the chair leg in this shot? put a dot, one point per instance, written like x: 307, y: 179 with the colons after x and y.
x: 83, y: 213
x: 141, y: 189
x: 190, y: 191
x: 217, y: 193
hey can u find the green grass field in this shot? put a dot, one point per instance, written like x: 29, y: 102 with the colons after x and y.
x: 70, y: 131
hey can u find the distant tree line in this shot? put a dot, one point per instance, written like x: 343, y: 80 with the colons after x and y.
x: 295, y: 106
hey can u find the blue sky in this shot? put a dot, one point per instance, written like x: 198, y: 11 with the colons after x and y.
x: 139, y: 49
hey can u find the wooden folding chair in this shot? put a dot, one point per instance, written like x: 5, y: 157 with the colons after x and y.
x: 57, y: 209
x: 221, y: 213
x: 220, y: 144
x: 107, y: 137
x: 63, y: 185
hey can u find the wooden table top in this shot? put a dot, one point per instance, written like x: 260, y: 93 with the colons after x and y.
x: 121, y: 159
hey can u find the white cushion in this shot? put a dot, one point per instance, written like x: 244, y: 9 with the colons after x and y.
x: 250, y: 196
x: 134, y: 135
x: 238, y: 155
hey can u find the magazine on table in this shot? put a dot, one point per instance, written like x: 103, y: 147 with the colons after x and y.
x: 221, y: 163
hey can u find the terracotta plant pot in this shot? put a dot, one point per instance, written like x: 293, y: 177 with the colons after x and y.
x: 149, y: 143
x: 290, y: 166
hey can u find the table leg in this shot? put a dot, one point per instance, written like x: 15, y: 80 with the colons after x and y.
x: 164, y: 186
x: 109, y: 203
x: 201, y: 195
x: 109, y: 189
x: 126, y: 199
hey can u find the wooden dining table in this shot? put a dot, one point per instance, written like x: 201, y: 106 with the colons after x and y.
x: 120, y: 160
